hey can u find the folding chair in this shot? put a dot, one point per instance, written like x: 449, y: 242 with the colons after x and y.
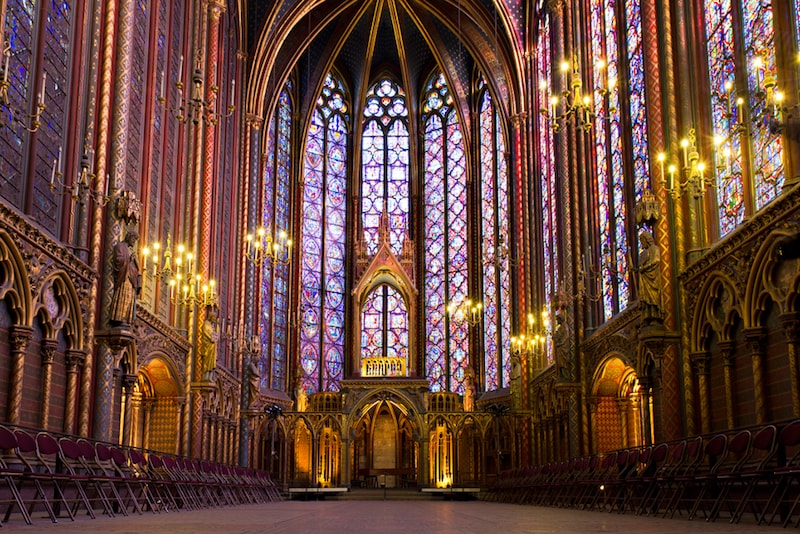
x: 40, y: 474
x: 11, y: 476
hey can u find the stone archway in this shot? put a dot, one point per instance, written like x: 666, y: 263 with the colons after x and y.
x: 617, y: 417
x: 156, y: 407
x: 384, y: 442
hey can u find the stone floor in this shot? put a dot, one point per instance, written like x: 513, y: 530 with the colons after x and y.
x: 407, y: 517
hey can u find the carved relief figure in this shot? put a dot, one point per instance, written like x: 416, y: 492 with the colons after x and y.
x: 127, y: 281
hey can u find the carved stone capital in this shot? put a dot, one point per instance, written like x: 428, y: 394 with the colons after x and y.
x: 700, y: 361
x: 20, y: 337
x: 74, y: 359
x: 128, y: 381
x: 254, y: 121
x: 49, y: 351
x: 728, y: 350
x: 216, y: 8
x: 555, y: 6
x: 791, y: 326
x: 755, y: 340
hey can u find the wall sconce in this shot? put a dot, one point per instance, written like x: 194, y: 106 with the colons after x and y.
x: 85, y: 187
x: 30, y: 121
x: 195, y: 106
x: 261, y: 247
x: 466, y: 311
x: 573, y: 101
x: 186, y: 287
x: 696, y: 178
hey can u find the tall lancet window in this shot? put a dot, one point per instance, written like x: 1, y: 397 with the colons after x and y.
x: 275, y: 277
x: 384, y: 153
x: 446, y: 273
x: 731, y: 67
x: 322, y: 274
x: 493, y: 229
x: 547, y: 176
x: 612, y: 211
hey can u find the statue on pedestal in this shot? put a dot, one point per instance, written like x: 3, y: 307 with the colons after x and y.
x: 254, y: 379
x: 208, y: 344
x: 469, y: 391
x: 649, y: 279
x: 301, y: 398
x: 127, y: 281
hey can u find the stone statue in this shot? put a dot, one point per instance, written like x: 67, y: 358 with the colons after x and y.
x: 561, y: 348
x: 516, y: 374
x: 649, y: 278
x: 301, y: 398
x: 208, y: 344
x: 127, y: 281
x: 469, y: 391
x: 254, y: 379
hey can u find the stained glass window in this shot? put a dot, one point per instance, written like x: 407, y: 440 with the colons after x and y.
x: 384, y: 324
x: 636, y: 82
x: 609, y: 161
x: 445, y: 194
x: 19, y: 33
x: 322, y: 271
x: 547, y: 170
x: 494, y: 230
x: 759, y: 37
x: 384, y: 150
x: 275, y: 277
x: 723, y: 65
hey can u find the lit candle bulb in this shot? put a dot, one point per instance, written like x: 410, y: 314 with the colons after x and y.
x: 44, y: 89
x: 661, y: 157
x: 685, y: 147
x: 233, y: 93
x: 671, y: 169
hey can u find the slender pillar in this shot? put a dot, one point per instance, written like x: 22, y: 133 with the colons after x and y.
x: 20, y: 338
x: 48, y: 356
x: 645, y: 387
x: 701, y: 361
x: 728, y: 361
x: 791, y: 329
x: 128, y: 382
x: 622, y: 406
x: 755, y: 341
x: 74, y: 359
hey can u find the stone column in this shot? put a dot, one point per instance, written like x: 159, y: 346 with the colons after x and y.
x: 112, y: 346
x: 791, y: 329
x: 74, y: 360
x: 20, y: 338
x: 128, y: 383
x: 48, y: 356
x: 622, y: 406
x: 645, y: 385
x: 181, y: 446
x: 593, y: 448
x: 728, y: 349
x: 147, y: 412
x: 637, y: 432
x: 755, y: 341
x: 701, y: 361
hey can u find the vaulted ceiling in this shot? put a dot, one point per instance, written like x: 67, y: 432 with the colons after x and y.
x: 363, y: 39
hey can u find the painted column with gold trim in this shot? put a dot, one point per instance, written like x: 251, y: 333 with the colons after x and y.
x: 20, y: 338
x: 622, y: 406
x: 48, y: 356
x: 251, y: 185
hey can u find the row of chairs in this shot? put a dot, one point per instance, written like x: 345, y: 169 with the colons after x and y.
x: 722, y: 475
x: 65, y: 476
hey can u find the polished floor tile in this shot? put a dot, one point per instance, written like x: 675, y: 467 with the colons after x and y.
x: 407, y: 517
